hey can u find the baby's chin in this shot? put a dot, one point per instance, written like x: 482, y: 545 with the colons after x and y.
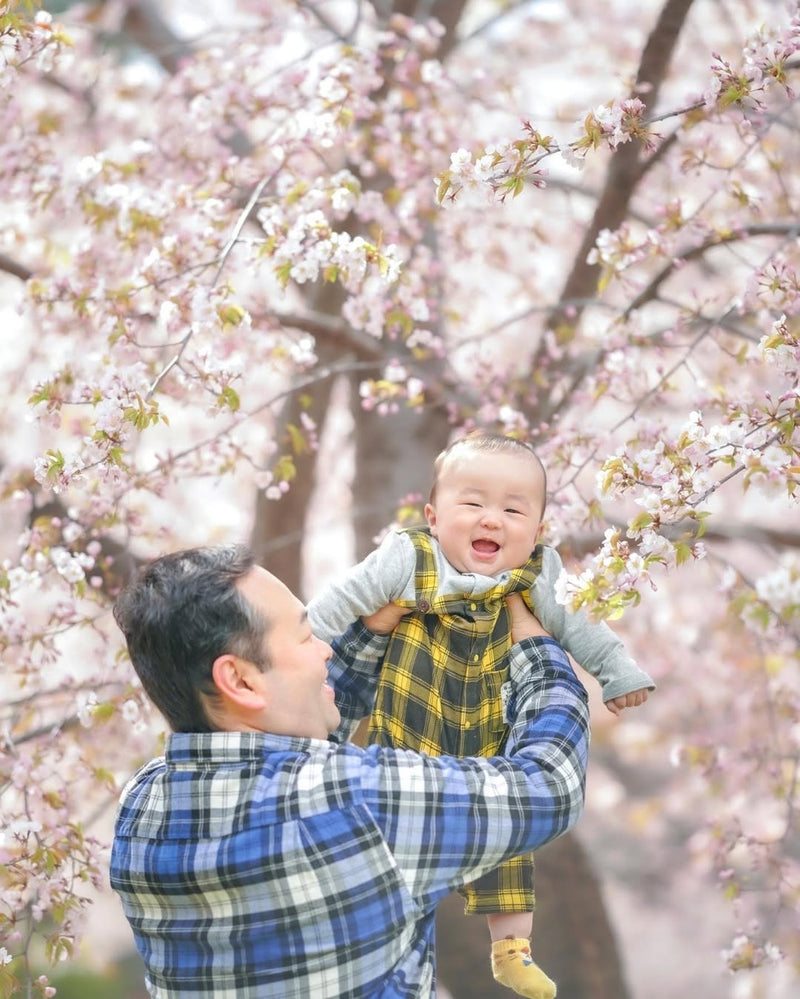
x: 484, y: 567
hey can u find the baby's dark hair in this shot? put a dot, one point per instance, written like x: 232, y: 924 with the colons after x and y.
x: 482, y: 440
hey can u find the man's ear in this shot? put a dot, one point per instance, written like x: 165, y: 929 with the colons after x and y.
x: 233, y: 678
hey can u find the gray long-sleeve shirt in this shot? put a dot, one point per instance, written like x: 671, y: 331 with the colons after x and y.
x: 387, y: 574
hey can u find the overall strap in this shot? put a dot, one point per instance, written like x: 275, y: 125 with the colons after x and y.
x: 527, y: 574
x: 426, y: 575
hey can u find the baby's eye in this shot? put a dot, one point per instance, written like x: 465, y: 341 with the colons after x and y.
x: 511, y: 509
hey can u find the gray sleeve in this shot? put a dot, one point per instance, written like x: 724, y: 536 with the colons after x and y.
x: 371, y: 584
x: 593, y: 645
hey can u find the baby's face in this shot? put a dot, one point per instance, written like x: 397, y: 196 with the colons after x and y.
x: 487, y: 510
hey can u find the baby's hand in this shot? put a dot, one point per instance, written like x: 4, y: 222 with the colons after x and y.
x: 632, y: 700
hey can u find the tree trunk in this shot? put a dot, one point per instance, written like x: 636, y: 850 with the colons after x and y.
x: 626, y: 165
x: 625, y: 169
x: 573, y: 939
x: 279, y: 525
x: 393, y: 459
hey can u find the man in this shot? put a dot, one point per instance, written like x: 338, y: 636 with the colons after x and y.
x: 263, y: 857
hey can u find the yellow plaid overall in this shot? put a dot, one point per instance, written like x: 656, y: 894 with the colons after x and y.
x: 439, y: 693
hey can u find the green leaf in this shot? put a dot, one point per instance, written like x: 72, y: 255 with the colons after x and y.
x: 283, y: 272
x: 443, y: 187
x: 642, y: 520
x: 229, y: 397
x: 298, y: 439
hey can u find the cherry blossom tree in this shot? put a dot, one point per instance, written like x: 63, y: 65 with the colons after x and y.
x: 255, y: 252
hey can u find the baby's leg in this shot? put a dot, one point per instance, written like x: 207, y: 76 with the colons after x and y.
x: 509, y: 924
x: 507, y: 898
x: 512, y: 964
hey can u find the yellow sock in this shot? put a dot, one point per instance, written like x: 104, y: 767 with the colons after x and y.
x: 513, y: 966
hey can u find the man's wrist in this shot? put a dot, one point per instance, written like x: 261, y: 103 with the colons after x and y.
x: 534, y: 655
x: 360, y: 634
x: 358, y: 639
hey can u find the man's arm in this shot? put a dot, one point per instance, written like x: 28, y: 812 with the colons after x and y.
x: 355, y: 665
x: 544, y: 687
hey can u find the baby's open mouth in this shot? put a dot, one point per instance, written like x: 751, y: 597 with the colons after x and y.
x: 485, y: 547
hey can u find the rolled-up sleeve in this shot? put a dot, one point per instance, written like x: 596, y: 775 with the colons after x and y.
x: 353, y: 673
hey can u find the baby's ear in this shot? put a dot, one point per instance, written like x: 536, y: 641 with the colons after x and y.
x: 430, y: 516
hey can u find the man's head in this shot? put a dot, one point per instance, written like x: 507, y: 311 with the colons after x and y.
x: 220, y: 643
x: 487, y: 503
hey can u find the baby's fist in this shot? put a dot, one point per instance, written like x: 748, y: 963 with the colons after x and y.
x: 632, y: 700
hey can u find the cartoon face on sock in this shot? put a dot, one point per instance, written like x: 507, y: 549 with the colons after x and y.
x: 486, y: 510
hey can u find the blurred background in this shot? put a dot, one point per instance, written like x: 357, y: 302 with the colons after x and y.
x: 261, y: 261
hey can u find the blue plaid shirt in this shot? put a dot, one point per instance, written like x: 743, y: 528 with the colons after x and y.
x: 257, y: 866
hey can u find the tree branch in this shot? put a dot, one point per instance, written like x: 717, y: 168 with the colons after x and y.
x: 145, y: 25
x: 775, y: 538
x: 762, y: 229
x: 15, y: 268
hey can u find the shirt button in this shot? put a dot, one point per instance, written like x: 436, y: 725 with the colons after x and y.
x: 475, y: 658
x: 423, y: 605
x: 473, y: 606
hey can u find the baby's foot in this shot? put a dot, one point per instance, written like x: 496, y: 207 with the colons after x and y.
x: 513, y: 966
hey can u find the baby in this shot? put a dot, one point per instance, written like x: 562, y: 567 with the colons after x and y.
x: 443, y: 681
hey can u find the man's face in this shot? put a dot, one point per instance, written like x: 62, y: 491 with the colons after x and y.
x: 298, y: 699
x: 487, y: 510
